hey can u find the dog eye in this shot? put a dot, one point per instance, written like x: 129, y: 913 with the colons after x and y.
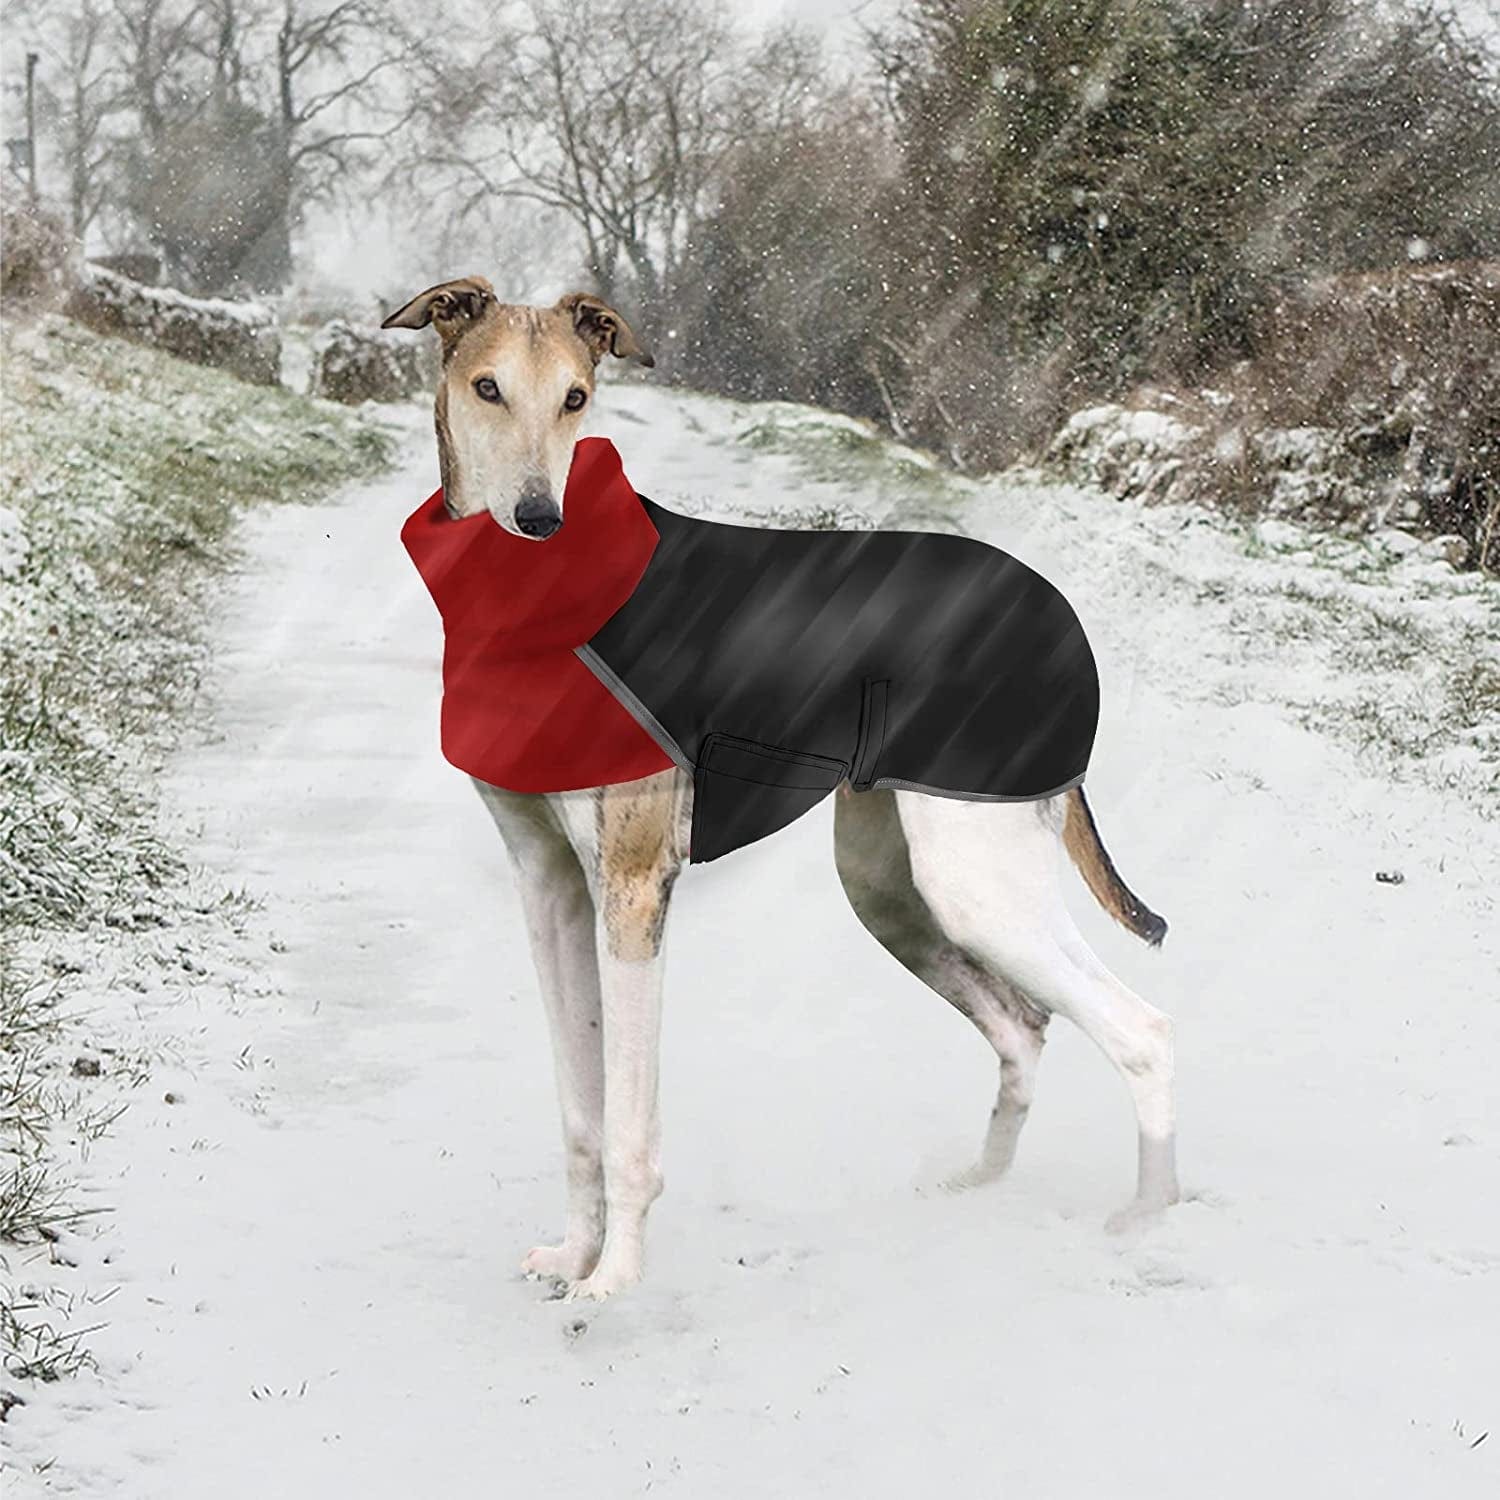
x: 575, y: 398
x: 486, y: 389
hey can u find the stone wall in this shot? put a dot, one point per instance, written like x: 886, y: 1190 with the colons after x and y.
x: 352, y: 364
x: 241, y: 337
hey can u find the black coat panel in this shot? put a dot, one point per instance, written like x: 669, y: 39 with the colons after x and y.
x: 773, y: 665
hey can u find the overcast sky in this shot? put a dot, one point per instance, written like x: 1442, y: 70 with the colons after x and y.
x: 835, y: 17
x: 820, y: 12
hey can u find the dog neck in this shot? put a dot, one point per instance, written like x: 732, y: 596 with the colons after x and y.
x: 509, y: 595
x: 520, y: 709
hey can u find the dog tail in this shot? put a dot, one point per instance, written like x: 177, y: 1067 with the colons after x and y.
x: 1086, y: 850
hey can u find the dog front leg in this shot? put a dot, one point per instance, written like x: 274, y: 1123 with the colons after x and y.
x: 559, y: 910
x: 560, y: 919
x: 632, y: 1122
x: 638, y: 864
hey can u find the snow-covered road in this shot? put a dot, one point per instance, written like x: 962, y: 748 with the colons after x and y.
x: 315, y: 1241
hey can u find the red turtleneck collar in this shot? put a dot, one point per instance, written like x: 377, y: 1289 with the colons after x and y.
x: 520, y: 710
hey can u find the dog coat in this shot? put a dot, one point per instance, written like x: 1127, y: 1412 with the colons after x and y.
x: 769, y: 665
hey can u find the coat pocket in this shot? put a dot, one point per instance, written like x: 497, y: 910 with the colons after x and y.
x: 744, y: 790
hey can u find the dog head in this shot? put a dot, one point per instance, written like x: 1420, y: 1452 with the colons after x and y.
x: 515, y: 385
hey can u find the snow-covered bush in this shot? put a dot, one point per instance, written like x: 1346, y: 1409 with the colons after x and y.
x: 354, y: 364
x: 1314, y: 475
x: 1363, y: 407
x: 1131, y: 452
x: 1404, y: 366
x: 38, y: 257
x: 241, y: 337
x: 13, y: 543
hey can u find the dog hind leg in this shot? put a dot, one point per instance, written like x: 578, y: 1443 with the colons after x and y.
x: 874, y: 867
x: 989, y: 872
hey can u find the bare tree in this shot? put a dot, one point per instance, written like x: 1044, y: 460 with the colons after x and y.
x: 616, y: 114
x: 247, y: 110
x: 201, y: 127
x: 107, y: 67
x: 335, y: 67
x: 325, y: 89
x: 83, y: 104
x: 157, y: 38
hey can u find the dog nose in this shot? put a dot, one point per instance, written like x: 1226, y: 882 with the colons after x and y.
x: 537, y: 516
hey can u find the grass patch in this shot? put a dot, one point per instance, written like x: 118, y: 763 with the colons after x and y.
x: 842, y: 450
x: 122, y: 473
x: 1407, y: 656
x: 36, y: 1347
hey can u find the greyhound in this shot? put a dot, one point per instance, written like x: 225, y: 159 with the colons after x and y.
x: 965, y: 895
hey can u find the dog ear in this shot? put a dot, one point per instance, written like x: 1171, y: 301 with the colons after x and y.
x: 450, y: 307
x: 602, y: 328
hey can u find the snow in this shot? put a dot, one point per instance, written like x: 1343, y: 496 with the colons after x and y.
x: 1297, y: 447
x: 13, y: 544
x: 1399, y: 543
x: 309, y: 1249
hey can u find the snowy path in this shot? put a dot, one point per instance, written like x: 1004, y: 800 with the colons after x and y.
x: 315, y: 1245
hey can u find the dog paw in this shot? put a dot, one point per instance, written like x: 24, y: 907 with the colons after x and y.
x: 559, y: 1262
x: 970, y: 1178
x: 603, y: 1283
x: 1140, y: 1214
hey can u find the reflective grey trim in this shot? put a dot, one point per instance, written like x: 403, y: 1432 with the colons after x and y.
x: 628, y: 700
x: 895, y: 783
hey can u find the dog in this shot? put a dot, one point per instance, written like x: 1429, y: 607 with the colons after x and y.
x: 966, y: 895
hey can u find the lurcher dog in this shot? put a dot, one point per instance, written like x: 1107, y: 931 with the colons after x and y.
x: 966, y: 895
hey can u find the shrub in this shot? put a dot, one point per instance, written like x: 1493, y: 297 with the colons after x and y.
x: 1062, y: 198
x: 38, y: 257
x: 1407, y: 363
